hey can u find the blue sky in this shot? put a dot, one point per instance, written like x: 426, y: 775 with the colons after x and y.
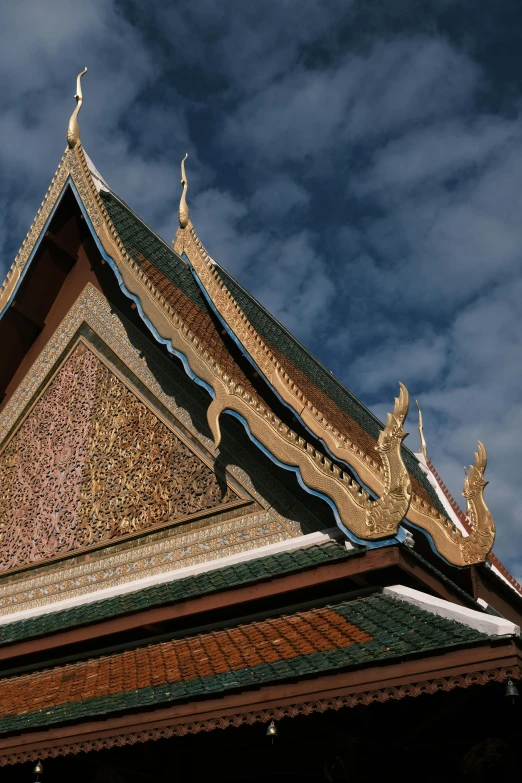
x: 357, y: 166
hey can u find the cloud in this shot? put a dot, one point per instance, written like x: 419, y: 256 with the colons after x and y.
x: 416, y: 362
x: 285, y: 272
x: 275, y: 200
x: 369, y: 95
x: 355, y: 166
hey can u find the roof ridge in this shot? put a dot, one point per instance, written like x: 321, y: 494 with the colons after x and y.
x: 449, y: 497
x: 145, y: 225
x: 356, y: 514
x: 413, y: 464
x: 310, y: 355
x: 493, y: 559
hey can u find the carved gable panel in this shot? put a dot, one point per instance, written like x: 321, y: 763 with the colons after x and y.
x: 90, y: 463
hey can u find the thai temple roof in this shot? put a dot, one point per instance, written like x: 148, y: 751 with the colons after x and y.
x: 163, y: 266
x: 198, y: 522
x: 333, y: 637
x: 291, y: 406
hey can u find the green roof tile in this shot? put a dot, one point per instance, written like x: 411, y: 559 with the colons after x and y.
x: 178, y: 590
x: 139, y: 238
x: 397, y: 629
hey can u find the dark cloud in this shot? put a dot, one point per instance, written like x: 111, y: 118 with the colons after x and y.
x: 356, y: 165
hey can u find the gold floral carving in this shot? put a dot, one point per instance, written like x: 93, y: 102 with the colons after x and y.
x: 448, y: 540
x: 364, y: 517
x: 92, y: 463
x: 208, y: 538
x: 179, y: 549
x: 459, y: 549
x: 170, y: 326
x: 156, y: 374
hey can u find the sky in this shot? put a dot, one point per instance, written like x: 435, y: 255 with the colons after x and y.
x: 357, y: 166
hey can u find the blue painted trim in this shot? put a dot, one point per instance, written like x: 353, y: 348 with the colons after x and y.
x: 431, y: 542
x: 35, y: 248
x: 251, y: 361
x: 399, y: 538
x: 164, y: 341
x: 134, y: 298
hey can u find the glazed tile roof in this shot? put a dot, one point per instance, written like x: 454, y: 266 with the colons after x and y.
x: 173, y: 278
x: 214, y: 581
x: 364, y: 631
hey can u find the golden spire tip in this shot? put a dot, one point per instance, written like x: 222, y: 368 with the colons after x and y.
x: 73, y: 130
x: 423, y: 447
x: 183, y: 213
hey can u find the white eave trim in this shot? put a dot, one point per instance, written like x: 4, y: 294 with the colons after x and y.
x: 485, y: 623
x: 98, y: 180
x: 170, y: 576
x: 440, y: 494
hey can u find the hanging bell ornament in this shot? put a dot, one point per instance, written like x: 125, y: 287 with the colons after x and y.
x: 511, y: 691
x: 272, y: 731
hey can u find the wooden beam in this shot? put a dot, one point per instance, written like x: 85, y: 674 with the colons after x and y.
x: 19, y: 308
x: 55, y: 243
x: 368, y: 561
x: 489, y: 657
x: 440, y: 587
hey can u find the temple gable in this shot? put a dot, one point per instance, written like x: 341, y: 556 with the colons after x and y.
x: 91, y: 462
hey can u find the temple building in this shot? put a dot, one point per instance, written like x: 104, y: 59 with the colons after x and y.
x: 215, y: 563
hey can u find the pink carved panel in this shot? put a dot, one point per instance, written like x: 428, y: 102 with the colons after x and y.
x: 91, y: 462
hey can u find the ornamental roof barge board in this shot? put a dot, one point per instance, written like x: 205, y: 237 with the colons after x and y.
x: 141, y: 639
x: 370, y: 480
x: 372, y: 484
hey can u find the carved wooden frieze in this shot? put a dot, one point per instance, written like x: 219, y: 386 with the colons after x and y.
x: 92, y: 462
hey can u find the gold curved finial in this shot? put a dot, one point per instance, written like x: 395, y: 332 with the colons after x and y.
x: 459, y: 549
x: 423, y: 447
x: 73, y: 130
x: 183, y: 213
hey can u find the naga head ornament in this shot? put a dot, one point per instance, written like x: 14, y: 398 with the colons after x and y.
x: 73, y: 130
x: 474, y: 481
x: 393, y: 430
x: 183, y: 213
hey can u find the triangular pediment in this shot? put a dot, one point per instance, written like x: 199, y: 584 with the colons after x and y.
x: 362, y: 476
x: 91, y: 462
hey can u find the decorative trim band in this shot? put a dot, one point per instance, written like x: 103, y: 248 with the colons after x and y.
x: 357, y: 515
x: 380, y: 695
x: 391, y: 481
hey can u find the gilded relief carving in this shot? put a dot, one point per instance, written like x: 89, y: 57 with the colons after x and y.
x: 179, y: 550
x: 41, y: 469
x: 215, y: 536
x: 366, y: 518
x: 370, y: 471
x: 91, y: 463
x: 459, y: 549
x: 320, y: 473
x: 394, y: 488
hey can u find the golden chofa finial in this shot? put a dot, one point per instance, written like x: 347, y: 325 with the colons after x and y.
x: 183, y: 213
x: 73, y: 131
x: 423, y: 448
